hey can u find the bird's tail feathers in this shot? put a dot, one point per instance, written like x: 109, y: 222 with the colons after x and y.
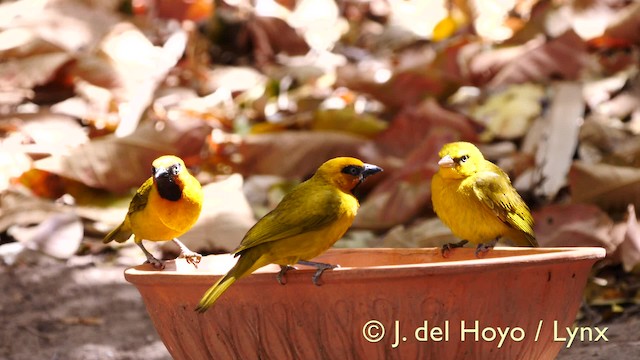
x: 532, y: 240
x: 521, y: 238
x: 246, y: 265
x: 120, y: 234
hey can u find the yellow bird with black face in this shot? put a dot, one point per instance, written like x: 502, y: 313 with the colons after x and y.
x: 166, y: 206
x: 476, y: 200
x: 307, y: 222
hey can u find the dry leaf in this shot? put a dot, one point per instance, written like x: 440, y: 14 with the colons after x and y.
x: 610, y: 187
x: 412, y: 125
x: 626, y: 25
x: 41, y: 225
x: 225, y: 218
x: 50, y: 133
x: 59, y: 235
x: 508, y: 114
x: 348, y: 120
x: 13, y: 164
x: 294, y: 154
x: 537, y: 60
x: 26, y: 73
x: 415, y: 74
x: 630, y: 247
x: 561, y: 125
x: 70, y: 25
x: 425, y: 233
x: 119, y: 164
x: 140, y: 67
x: 574, y: 225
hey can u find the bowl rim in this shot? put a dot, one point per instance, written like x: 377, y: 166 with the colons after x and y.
x: 514, y: 257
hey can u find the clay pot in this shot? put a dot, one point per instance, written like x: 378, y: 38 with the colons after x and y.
x: 513, y: 303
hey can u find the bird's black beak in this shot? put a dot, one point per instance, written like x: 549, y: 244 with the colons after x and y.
x: 370, y: 170
x: 159, y: 173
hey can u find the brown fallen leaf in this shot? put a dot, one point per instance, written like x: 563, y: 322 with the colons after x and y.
x: 608, y: 186
x: 46, y: 133
x: 291, y: 154
x: 626, y: 25
x: 425, y: 233
x: 630, y: 247
x: 562, y: 57
x: 140, y: 68
x: 40, y: 225
x: 28, y: 72
x: 574, y: 225
x: 414, y: 123
x: 93, y: 163
x: 72, y: 25
x: 417, y: 73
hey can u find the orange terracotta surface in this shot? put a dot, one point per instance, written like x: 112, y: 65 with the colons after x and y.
x: 520, y: 300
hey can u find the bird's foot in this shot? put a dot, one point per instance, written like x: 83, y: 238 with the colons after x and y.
x: 446, y: 248
x: 192, y: 257
x: 281, y: 274
x: 482, y: 249
x: 157, y: 264
x: 321, y: 267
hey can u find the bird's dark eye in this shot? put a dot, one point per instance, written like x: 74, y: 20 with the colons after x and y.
x: 153, y: 170
x: 175, y: 169
x: 352, y: 170
x: 464, y: 158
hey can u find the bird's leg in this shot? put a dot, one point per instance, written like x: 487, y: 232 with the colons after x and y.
x: 448, y: 247
x: 484, y: 247
x: 281, y: 274
x: 318, y: 265
x: 158, y: 264
x: 192, y: 257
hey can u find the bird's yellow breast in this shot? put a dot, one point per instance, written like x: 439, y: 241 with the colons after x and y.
x: 308, y: 245
x: 458, y: 207
x: 163, y: 219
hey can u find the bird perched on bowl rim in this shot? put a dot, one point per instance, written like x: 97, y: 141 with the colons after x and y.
x: 166, y: 206
x: 307, y: 222
x: 476, y: 200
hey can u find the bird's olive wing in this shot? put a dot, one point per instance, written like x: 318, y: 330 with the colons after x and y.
x: 494, y: 189
x: 299, y: 212
x: 141, y: 197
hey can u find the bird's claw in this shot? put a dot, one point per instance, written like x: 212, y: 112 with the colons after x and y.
x: 446, y: 248
x: 191, y: 257
x: 157, y: 264
x: 318, y: 273
x: 281, y: 274
x: 484, y: 247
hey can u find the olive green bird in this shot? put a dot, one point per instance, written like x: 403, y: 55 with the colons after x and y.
x: 307, y: 222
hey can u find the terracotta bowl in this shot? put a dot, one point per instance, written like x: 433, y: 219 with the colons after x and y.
x: 514, y: 303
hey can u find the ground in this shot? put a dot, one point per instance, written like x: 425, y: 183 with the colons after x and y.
x: 85, y: 310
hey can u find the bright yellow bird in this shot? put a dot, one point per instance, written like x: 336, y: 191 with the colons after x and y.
x: 164, y: 207
x: 307, y: 222
x: 476, y: 200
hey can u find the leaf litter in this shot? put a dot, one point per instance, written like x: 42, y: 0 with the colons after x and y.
x: 91, y: 92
